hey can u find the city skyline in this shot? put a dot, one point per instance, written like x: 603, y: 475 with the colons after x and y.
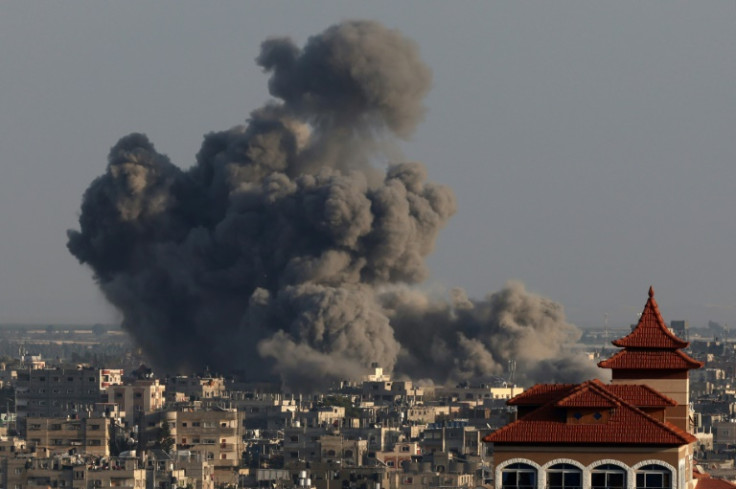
x: 588, y: 146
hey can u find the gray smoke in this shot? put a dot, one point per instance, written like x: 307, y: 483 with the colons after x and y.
x: 286, y: 250
x: 469, y: 340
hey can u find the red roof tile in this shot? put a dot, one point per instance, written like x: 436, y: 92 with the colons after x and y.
x: 541, y: 394
x: 650, y: 360
x: 651, y: 331
x: 640, y: 395
x: 710, y: 483
x: 626, y: 424
x: 590, y: 394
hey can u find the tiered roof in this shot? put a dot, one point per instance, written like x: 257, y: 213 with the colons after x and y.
x: 623, y: 424
x: 638, y: 395
x: 651, y: 331
x: 651, y: 345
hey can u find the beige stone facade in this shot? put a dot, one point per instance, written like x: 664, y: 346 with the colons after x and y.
x: 213, y: 434
x: 142, y: 397
x: 89, y: 436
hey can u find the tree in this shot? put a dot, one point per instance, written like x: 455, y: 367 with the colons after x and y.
x: 164, y: 440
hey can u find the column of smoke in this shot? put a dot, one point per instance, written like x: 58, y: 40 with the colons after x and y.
x: 287, y: 251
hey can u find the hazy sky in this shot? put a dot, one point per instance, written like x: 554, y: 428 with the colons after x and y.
x: 591, y: 145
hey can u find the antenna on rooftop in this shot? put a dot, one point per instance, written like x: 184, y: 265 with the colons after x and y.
x: 512, y: 370
x: 605, y: 334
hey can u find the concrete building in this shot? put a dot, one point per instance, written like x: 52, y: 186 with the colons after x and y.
x: 111, y: 376
x: 56, y: 393
x: 134, y: 400
x: 195, y: 388
x: 427, y: 413
x: 391, y: 392
x: 49, y: 436
x: 70, y: 472
x: 452, y: 436
x: 401, y: 453
x: 476, y: 395
x: 216, y: 435
x: 335, y: 448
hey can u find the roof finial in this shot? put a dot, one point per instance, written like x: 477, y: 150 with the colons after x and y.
x: 651, y: 292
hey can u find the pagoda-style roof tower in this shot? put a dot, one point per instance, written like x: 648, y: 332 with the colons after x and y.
x: 651, y: 345
x: 652, y: 355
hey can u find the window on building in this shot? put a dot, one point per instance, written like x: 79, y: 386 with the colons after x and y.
x: 564, y: 476
x: 519, y: 476
x: 653, y: 476
x: 608, y: 476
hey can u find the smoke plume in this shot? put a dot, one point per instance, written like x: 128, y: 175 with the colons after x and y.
x: 288, y: 250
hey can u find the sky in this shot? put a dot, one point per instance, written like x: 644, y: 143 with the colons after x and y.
x: 590, y: 145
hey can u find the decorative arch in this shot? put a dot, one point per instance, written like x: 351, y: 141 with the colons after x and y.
x: 674, y: 479
x: 563, y: 461
x: 654, y: 461
x: 605, y: 461
x: 587, y: 473
x: 544, y: 474
x: 503, y: 465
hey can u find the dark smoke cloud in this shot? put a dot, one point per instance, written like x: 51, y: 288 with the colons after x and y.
x: 286, y: 251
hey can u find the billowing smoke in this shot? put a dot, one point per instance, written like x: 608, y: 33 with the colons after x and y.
x: 468, y: 340
x: 289, y: 248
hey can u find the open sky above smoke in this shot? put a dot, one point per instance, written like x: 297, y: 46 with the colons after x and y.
x: 292, y: 248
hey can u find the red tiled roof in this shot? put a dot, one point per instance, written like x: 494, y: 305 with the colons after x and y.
x: 626, y: 424
x: 651, y: 331
x: 651, y: 360
x: 640, y: 395
x: 591, y: 394
x: 541, y: 394
x: 710, y: 483
x: 634, y: 394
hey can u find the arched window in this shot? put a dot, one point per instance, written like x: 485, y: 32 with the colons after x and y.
x: 653, y: 476
x: 564, y: 476
x: 519, y: 476
x: 608, y: 476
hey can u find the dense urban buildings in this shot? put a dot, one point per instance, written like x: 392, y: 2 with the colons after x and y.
x: 662, y: 422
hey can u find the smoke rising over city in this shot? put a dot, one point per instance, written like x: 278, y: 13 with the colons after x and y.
x: 291, y: 248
